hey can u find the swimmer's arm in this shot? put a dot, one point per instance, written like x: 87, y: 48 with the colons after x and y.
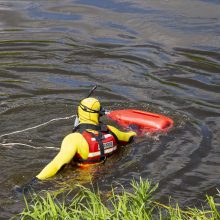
x: 123, y: 137
x: 67, y: 152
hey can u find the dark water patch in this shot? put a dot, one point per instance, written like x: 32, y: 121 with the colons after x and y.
x: 187, y: 51
x: 177, y: 169
x: 158, y: 57
x: 200, y: 60
x: 23, y: 43
x: 207, y: 67
x: 195, y: 83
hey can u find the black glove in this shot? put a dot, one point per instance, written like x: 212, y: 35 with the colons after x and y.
x: 131, y: 139
x: 135, y: 128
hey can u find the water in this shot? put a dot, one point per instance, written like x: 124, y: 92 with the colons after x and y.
x: 160, y: 56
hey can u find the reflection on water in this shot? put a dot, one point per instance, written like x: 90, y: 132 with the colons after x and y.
x: 159, y: 56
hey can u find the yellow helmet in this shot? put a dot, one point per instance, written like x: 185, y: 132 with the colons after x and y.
x: 89, y: 111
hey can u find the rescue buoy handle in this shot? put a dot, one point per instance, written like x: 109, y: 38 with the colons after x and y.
x: 146, y: 113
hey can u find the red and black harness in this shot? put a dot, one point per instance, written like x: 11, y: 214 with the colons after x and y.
x: 102, y: 131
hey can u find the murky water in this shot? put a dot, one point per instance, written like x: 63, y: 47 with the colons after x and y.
x: 160, y: 56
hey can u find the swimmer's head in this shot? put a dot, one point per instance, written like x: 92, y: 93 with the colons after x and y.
x: 89, y: 111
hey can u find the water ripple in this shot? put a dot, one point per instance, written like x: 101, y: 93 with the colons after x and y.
x: 157, y: 56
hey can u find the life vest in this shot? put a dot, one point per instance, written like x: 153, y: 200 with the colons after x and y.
x: 101, y: 145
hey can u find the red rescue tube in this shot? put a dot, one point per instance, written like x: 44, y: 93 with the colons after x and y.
x: 144, y: 121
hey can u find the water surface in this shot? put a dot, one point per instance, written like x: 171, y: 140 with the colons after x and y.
x: 159, y: 56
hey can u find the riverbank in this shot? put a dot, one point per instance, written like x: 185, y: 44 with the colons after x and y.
x: 92, y: 204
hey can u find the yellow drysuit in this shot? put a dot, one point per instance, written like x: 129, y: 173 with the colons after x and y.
x: 76, y: 143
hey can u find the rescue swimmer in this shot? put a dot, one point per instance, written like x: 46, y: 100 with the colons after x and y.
x: 90, y: 142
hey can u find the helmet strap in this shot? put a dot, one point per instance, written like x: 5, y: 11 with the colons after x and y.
x: 89, y: 110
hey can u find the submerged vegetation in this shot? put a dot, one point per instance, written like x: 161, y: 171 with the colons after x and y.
x: 138, y: 204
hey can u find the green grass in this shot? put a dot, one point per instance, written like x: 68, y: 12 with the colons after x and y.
x: 137, y: 204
